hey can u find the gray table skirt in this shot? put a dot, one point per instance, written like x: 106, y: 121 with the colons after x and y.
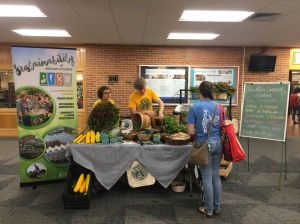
x: 110, y: 162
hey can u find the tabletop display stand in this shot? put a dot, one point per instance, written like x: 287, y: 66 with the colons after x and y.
x: 225, y: 167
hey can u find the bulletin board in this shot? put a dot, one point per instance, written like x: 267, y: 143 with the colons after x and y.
x: 217, y: 74
x: 166, y: 81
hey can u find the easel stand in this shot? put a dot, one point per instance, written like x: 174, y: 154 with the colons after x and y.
x: 283, y: 156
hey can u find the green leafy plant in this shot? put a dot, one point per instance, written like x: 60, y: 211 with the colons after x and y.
x: 194, y: 89
x: 156, y: 135
x: 223, y: 87
x: 104, y: 116
x: 171, y: 126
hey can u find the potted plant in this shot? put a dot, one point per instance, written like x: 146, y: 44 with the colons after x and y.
x: 156, y: 138
x: 194, y: 91
x: 112, y: 138
x: 104, y: 116
x: 222, y: 90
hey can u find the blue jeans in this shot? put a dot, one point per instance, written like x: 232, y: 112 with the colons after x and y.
x: 294, y: 112
x: 212, y: 185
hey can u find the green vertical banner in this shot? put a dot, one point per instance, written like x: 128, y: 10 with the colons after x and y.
x: 46, y: 89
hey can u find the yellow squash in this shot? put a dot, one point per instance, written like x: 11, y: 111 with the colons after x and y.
x: 79, y: 183
x: 83, y: 186
x: 88, y: 137
x: 93, y: 136
x: 88, y: 177
x: 81, y: 139
x: 98, y: 136
x: 78, y: 137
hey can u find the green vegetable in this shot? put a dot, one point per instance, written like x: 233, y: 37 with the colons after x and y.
x: 104, y: 116
x: 74, y: 181
x: 171, y: 126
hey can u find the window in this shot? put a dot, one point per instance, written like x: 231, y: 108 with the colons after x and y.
x: 79, y: 78
x: 7, y: 90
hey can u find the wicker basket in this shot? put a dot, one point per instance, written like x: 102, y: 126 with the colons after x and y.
x: 144, y: 119
x: 130, y: 135
x: 144, y: 137
x: 178, y: 186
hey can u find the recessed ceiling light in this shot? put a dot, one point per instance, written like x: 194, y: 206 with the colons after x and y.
x: 193, y: 36
x: 20, y: 11
x: 43, y: 33
x: 214, y: 16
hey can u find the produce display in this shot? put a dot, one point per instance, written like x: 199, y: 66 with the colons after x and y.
x: 82, y: 184
x: 103, y: 128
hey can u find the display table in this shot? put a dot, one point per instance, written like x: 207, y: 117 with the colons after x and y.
x: 110, y: 162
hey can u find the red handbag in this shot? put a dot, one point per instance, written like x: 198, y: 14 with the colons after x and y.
x: 233, y: 151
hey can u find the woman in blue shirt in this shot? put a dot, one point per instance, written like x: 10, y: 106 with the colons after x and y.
x: 200, y: 115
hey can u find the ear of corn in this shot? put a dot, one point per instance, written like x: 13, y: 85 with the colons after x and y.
x: 79, y: 183
x: 88, y: 178
x: 81, y: 139
x: 78, y: 137
x: 88, y: 137
x: 93, y: 136
x: 83, y: 186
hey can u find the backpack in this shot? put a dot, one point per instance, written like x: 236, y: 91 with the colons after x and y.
x: 294, y: 100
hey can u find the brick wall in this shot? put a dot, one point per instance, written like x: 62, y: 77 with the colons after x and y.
x: 124, y: 61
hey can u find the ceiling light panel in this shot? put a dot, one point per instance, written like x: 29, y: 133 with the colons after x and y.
x: 214, y: 16
x: 193, y: 36
x: 20, y: 11
x: 43, y: 33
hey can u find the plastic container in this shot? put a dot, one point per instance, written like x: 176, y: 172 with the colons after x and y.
x: 75, y: 200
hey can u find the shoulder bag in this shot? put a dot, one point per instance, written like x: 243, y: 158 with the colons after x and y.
x: 232, y: 149
x: 199, y: 154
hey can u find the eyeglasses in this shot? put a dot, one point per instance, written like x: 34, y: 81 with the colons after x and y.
x: 107, y: 93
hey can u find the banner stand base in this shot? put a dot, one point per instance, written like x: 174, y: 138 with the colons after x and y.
x: 34, y: 184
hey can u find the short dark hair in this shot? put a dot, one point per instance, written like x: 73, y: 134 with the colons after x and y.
x: 296, y: 90
x: 101, y: 90
x: 206, y: 89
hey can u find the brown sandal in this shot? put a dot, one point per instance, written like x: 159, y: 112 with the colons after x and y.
x: 216, y: 212
x: 203, y: 211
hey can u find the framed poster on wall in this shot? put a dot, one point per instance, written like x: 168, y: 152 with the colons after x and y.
x: 166, y: 81
x: 217, y: 74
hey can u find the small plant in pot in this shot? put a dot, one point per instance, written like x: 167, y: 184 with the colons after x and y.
x: 223, y: 88
x: 194, y: 92
x: 194, y: 89
x: 156, y: 138
x: 112, y: 138
x: 148, y: 130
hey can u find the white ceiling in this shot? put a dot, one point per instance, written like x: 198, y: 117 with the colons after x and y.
x: 149, y: 22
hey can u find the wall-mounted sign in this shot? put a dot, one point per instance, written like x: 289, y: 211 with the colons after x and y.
x: 112, y: 79
x: 296, y: 58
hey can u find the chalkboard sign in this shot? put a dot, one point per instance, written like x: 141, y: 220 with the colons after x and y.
x: 264, y: 110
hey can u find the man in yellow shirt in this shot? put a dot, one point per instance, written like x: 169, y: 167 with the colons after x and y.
x: 140, y: 101
x: 104, y: 94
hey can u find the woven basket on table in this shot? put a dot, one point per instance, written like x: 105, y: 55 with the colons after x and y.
x: 130, y: 135
x: 178, y: 186
x: 142, y: 119
x: 144, y: 137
